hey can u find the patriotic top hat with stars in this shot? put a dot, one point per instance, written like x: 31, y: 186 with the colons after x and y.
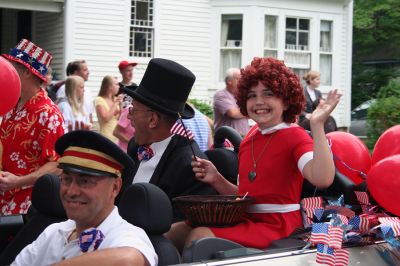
x: 32, y: 56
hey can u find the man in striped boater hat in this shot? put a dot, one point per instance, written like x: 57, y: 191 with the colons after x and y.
x: 29, y: 131
x: 93, y: 170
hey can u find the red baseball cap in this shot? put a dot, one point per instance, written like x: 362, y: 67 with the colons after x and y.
x: 123, y: 64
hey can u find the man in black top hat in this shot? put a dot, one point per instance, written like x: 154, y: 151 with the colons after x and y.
x: 162, y: 158
x: 93, y: 169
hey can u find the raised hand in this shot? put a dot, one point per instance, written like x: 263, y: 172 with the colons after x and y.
x: 325, y: 108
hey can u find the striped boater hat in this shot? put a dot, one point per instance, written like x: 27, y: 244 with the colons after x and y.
x: 89, y: 153
x: 32, y: 56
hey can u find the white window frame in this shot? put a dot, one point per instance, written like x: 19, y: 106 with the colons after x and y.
x: 229, y: 46
x: 325, y: 81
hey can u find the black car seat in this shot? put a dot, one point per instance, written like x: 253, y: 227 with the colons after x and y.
x: 225, y: 160
x: 148, y: 207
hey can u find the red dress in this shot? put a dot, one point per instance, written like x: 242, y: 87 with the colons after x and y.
x: 28, y: 136
x: 278, y: 181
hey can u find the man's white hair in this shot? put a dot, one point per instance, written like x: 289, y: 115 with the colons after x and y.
x: 230, y: 73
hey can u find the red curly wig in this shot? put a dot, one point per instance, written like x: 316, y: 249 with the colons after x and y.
x: 274, y: 75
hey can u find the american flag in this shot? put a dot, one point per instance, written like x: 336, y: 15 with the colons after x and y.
x: 178, y: 129
x: 332, y: 257
x: 389, y: 220
x: 372, y: 218
x: 312, y: 202
x: 335, y: 236
x: 360, y: 224
x: 309, y: 205
x: 323, y: 233
x: 319, y: 233
x: 343, y: 218
x: 362, y: 197
x: 341, y: 257
x: 393, y: 222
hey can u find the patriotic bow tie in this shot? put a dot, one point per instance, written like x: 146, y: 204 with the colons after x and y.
x: 90, y: 239
x: 144, y: 153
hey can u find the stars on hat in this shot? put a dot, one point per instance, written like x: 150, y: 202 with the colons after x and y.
x: 30, y: 60
x: 20, y: 55
x: 41, y: 68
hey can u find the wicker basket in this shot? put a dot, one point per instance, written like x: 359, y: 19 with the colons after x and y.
x: 213, y: 210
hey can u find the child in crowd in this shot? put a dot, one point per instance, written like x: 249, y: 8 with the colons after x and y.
x: 73, y: 105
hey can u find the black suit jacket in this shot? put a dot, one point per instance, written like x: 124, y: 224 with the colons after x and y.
x: 174, y: 174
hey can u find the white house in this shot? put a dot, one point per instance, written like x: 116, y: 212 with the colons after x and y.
x: 207, y: 36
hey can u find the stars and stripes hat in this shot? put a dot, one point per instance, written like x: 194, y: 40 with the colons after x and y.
x: 89, y: 153
x: 36, y: 59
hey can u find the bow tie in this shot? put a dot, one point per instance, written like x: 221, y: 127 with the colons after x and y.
x: 90, y: 239
x: 144, y: 153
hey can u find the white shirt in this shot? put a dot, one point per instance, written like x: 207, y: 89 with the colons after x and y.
x: 61, y: 92
x: 311, y: 92
x: 69, y: 118
x: 89, y: 106
x: 52, y: 245
x: 146, y: 168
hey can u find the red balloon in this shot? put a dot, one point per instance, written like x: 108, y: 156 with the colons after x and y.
x: 351, y: 156
x: 10, y: 86
x: 383, y: 182
x: 388, y: 144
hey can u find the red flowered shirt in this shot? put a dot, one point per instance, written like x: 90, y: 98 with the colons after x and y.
x: 28, y: 135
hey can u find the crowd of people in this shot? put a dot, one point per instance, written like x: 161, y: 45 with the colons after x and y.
x: 151, y: 133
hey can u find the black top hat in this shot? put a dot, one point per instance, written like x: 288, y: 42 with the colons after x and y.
x: 89, y: 153
x: 165, y: 87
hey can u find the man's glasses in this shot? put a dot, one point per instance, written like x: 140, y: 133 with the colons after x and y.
x: 133, y: 110
x: 82, y: 181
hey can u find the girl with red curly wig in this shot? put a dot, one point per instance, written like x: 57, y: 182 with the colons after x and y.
x: 274, y: 157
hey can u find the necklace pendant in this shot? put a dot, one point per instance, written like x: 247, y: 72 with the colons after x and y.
x: 252, y: 175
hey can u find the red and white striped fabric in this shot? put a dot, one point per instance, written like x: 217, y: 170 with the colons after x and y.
x: 335, y: 237
x: 343, y: 218
x: 179, y: 129
x: 362, y: 197
x: 312, y: 202
x: 341, y: 257
x: 36, y: 59
x: 332, y: 257
x: 309, y: 205
x: 394, y: 222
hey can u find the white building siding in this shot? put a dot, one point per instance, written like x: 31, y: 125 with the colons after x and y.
x: 49, y: 34
x: 183, y: 33
x: 97, y: 32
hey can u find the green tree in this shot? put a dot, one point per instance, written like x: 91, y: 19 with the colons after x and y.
x: 376, y: 36
x: 204, y: 108
x: 384, y: 113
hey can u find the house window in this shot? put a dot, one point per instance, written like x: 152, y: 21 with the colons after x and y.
x: 141, y: 30
x: 297, y: 50
x: 297, y: 33
x: 271, y: 36
x: 325, y: 56
x: 231, y: 42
